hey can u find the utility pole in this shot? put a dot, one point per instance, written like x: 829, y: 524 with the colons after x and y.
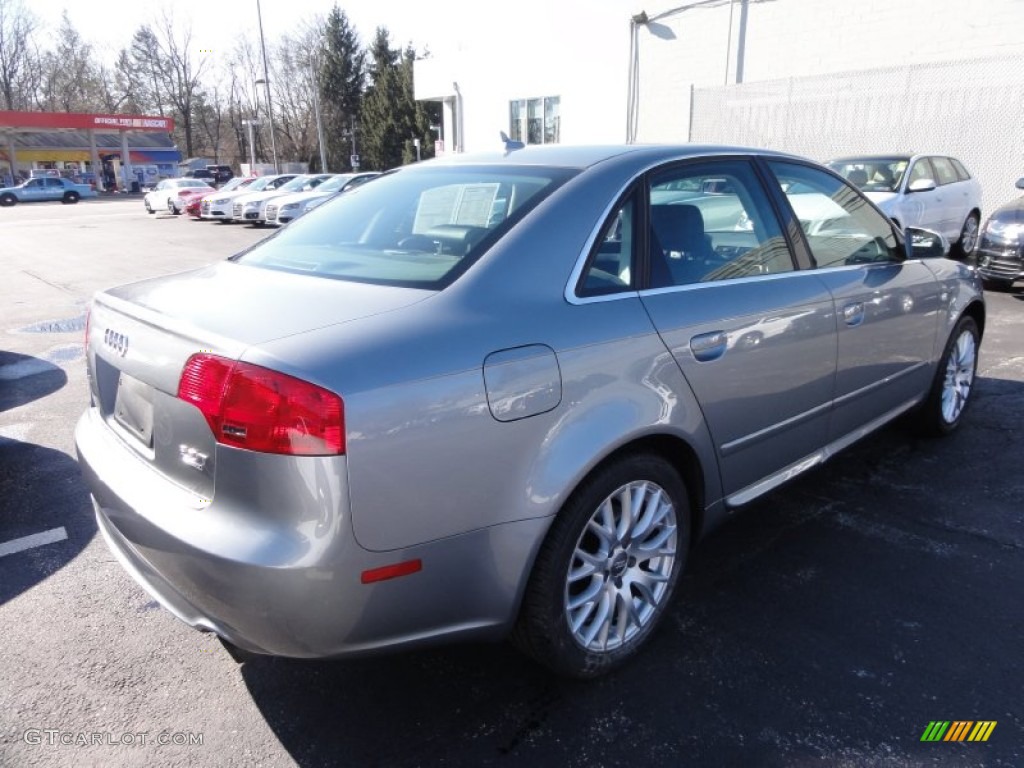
x: 266, y: 83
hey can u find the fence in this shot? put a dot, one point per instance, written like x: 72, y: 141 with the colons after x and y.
x: 970, y: 109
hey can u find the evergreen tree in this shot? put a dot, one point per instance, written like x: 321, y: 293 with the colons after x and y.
x: 342, y: 75
x: 386, y: 113
x: 424, y: 113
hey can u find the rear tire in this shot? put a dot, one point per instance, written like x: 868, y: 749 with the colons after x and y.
x: 607, y: 568
x: 951, y: 390
x: 70, y: 198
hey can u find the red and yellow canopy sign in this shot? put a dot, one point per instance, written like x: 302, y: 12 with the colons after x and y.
x: 42, y: 121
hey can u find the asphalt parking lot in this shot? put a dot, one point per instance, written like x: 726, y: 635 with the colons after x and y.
x: 828, y: 624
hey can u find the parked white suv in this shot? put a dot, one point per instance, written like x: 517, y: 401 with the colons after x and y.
x: 927, y: 191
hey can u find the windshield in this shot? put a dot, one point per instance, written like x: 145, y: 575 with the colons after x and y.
x: 260, y: 184
x: 333, y: 185
x: 418, y: 229
x: 872, y: 174
x: 296, y: 185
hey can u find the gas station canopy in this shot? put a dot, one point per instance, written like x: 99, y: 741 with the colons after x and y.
x: 86, y: 126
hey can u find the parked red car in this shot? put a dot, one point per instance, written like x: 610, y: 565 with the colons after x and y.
x: 178, y: 202
x: 194, y: 206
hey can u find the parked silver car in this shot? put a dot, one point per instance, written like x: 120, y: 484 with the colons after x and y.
x: 505, y: 394
x: 928, y: 191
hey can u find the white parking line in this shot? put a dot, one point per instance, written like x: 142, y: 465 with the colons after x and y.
x: 35, y: 540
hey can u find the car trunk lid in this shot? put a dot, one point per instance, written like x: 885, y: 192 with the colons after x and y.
x: 141, y: 335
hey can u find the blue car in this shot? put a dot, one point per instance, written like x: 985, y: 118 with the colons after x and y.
x: 48, y: 188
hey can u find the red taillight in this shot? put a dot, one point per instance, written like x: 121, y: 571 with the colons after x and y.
x: 262, y: 410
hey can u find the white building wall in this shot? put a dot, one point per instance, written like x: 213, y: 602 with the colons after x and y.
x: 579, y: 50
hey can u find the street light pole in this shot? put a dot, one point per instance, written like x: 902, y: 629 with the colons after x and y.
x: 319, y: 122
x: 266, y: 83
x: 355, y: 150
x: 251, y: 124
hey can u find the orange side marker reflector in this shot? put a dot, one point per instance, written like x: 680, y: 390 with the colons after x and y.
x: 391, y: 571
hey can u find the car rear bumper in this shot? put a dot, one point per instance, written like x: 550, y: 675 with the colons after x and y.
x: 293, y: 587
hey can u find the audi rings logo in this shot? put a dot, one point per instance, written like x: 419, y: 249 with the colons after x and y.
x: 118, y: 342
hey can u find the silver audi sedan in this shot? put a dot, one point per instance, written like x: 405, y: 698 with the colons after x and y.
x: 505, y: 394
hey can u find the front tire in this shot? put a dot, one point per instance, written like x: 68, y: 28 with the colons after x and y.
x: 951, y: 390
x: 997, y: 285
x: 968, y: 236
x: 8, y: 200
x: 607, y: 569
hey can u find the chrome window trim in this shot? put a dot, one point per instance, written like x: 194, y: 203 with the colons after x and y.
x: 731, y: 281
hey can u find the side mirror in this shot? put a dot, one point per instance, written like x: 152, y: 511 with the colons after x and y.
x: 1020, y: 183
x: 925, y: 244
x: 921, y: 185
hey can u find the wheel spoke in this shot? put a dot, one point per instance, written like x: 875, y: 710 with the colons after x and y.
x: 606, y: 535
x: 654, y: 512
x: 625, y: 512
x: 600, y: 618
x: 583, y: 571
x: 652, y: 545
x: 587, y: 595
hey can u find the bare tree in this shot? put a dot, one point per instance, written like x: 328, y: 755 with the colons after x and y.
x: 244, y: 96
x: 70, y: 80
x: 16, y: 27
x: 294, y: 80
x: 181, y: 75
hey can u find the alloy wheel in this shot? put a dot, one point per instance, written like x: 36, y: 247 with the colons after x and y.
x: 959, y: 377
x: 621, y: 566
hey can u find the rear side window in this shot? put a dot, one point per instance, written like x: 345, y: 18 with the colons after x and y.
x: 962, y: 173
x: 418, y: 228
x: 945, y: 170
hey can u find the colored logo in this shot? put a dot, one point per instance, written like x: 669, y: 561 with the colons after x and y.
x: 958, y: 730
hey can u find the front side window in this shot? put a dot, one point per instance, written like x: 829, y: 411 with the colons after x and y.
x: 712, y: 221
x: 417, y: 228
x: 922, y: 170
x: 840, y: 225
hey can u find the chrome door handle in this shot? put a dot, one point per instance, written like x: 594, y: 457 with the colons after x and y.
x: 853, y: 314
x: 709, y: 346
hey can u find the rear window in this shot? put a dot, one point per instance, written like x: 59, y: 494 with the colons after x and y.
x: 418, y: 228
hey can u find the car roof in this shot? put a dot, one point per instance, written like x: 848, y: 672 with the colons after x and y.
x: 870, y: 158
x: 569, y: 156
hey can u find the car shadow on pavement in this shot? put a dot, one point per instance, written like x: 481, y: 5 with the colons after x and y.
x: 814, y: 626
x: 45, y: 515
x: 44, y: 506
x: 24, y: 378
